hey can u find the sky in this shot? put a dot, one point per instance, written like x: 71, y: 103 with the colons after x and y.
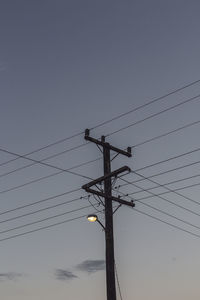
x: 70, y: 65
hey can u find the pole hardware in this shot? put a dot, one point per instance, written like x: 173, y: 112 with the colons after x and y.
x: 108, y: 199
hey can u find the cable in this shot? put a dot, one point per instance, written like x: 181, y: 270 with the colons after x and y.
x: 164, y: 199
x: 171, y: 170
x: 167, y: 192
x: 41, y: 162
x: 41, y: 228
x: 49, y: 157
x: 166, y: 134
x: 45, y: 219
x: 47, y: 176
x: 118, y: 284
x: 149, y: 140
x: 169, y: 183
x: 162, y: 211
x: 93, y: 204
x: 170, y: 190
x: 94, y: 160
x: 41, y: 209
x: 147, y: 104
x: 154, y: 115
x: 83, y: 216
x: 166, y: 160
x: 35, y: 162
x: 167, y: 223
x: 39, y: 201
x: 108, y: 121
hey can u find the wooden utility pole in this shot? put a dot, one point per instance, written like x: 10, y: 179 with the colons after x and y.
x: 107, y: 195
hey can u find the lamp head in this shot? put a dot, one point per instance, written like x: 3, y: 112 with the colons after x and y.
x: 92, y: 218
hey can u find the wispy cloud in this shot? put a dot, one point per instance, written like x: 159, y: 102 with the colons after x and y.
x: 12, y: 276
x: 61, y: 274
x: 91, y: 266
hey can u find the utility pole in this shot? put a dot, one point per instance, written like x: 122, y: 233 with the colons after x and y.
x: 108, y: 198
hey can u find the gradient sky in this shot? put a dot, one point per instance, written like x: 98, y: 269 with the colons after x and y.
x: 70, y: 65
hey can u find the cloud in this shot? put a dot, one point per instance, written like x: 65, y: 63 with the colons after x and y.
x: 91, y: 266
x: 64, y: 275
x: 9, y: 276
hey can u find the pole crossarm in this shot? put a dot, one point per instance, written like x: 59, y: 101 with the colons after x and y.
x: 102, y: 178
x: 106, y: 145
x: 106, y: 193
x: 112, y: 198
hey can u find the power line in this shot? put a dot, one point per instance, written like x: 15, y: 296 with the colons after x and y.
x: 48, y: 157
x: 163, y: 212
x: 118, y: 284
x: 85, y: 163
x: 47, y: 176
x: 166, y: 160
x: 146, y: 104
x: 170, y: 190
x: 81, y: 145
x: 155, y: 115
x: 41, y: 162
x: 97, y: 159
x: 41, y: 228
x: 167, y: 192
x: 40, y: 201
x: 166, y: 134
x: 45, y: 219
x: 41, y: 210
x: 168, y: 183
x: 45, y: 147
x: 171, y: 170
x: 164, y: 199
x: 167, y: 223
x: 105, y: 122
x: 83, y: 216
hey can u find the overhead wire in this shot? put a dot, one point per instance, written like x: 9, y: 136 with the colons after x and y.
x: 42, y: 210
x: 165, y: 213
x: 39, y: 201
x: 167, y: 223
x: 19, y: 156
x: 154, y: 115
x: 45, y: 219
x: 147, y: 104
x: 74, y: 173
x: 167, y: 192
x: 41, y: 228
x: 167, y: 160
x: 165, y: 187
x: 118, y: 284
x: 41, y: 162
x: 85, y: 215
x: 47, y: 176
x: 166, y: 134
x: 48, y: 146
x: 169, y: 183
x: 164, y: 199
x: 97, y: 159
x: 78, y: 134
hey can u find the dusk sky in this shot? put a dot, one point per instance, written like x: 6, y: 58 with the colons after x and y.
x: 70, y: 65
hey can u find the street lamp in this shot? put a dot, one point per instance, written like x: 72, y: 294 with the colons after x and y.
x: 92, y: 218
